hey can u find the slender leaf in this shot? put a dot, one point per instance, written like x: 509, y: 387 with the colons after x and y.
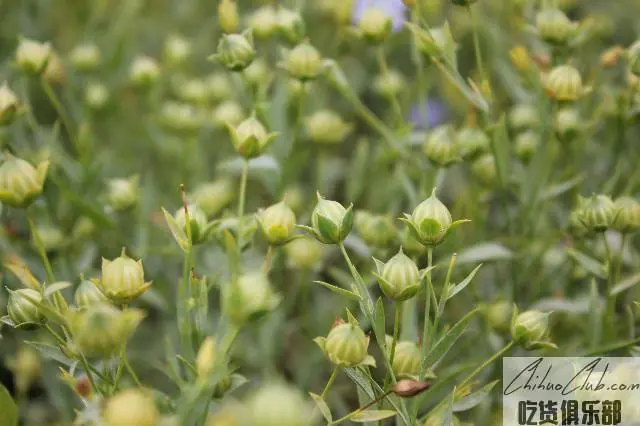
x: 625, y: 284
x: 470, y: 401
x: 176, y: 230
x: 484, y: 252
x: 590, y: 264
x: 460, y: 286
x: 442, y: 347
x: 8, y: 408
x: 562, y: 187
x: 500, y: 148
x: 55, y: 287
x: 338, y: 290
x: 322, y: 406
x: 358, y: 378
x: 379, y: 324
x: 371, y: 415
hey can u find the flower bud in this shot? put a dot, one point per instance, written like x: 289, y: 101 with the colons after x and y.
x: 123, y: 194
x: 554, y: 27
x: 144, y: 71
x: 277, y: 404
x: 529, y: 328
x: 86, y: 57
x: 484, y: 169
x: 9, y: 105
x: 228, y: 113
x: 633, y: 57
x: 88, y: 294
x: 197, y: 220
x: 278, y: 223
x: 520, y: 58
x: 472, y: 141
x: 567, y: 124
x: 122, y: 279
x: 375, y: 25
x: 290, y: 25
x: 399, y: 278
x: 345, y: 345
x: 523, y: 117
x: 228, y: 16
x: 430, y: 221
x: 406, y: 360
x: 32, y: 56
x: 441, y: 147
x: 389, y: 84
x: 177, y: 49
x: 331, y: 221
x: 304, y: 253
x: 375, y: 229
x: 96, y: 95
x: 212, y: 197
x: 498, y: 315
x: 206, y: 362
x: 597, y: 213
x: 525, y: 145
x: 304, y: 62
x: 22, y: 307
x: 180, y: 117
x: 100, y: 330
x: 263, y: 22
x: 627, y: 215
x: 250, y: 297
x: 250, y: 139
x: 564, y: 83
x: 327, y: 127
x: 20, y: 182
x: 131, y: 407
x: 26, y: 368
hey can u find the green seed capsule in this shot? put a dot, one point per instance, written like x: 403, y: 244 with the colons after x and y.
x: 228, y: 17
x: 399, y: 278
x: 406, y: 360
x: 131, y: 407
x: 276, y: 404
x: 327, y: 127
x: 250, y: 297
x: 278, y: 223
x: 389, y: 84
x: 627, y: 217
x: 304, y: 62
x: 32, y: 57
x: 346, y: 345
x: 206, y: 361
x: 331, y: 221
x: 122, y: 279
x: 144, y: 71
x: 554, y: 27
x: 597, y: 213
x: 20, y: 182
x: 441, y: 147
x: 228, y: 113
x: 484, y: 169
x: 88, y: 294
x: 472, y: 141
x: 430, y: 221
x: 375, y: 229
x: 100, y: 330
x: 212, y: 197
x: 375, y: 25
x: 290, y: 25
x: 304, y: 253
x: 86, y: 57
x: 235, y: 51
x: 498, y: 315
x: 22, y: 307
x: 263, y: 22
x: 567, y: 124
x: 250, y: 139
x: 177, y: 49
x: 9, y: 105
x: 197, y: 220
x: 123, y: 194
x: 529, y: 327
x: 525, y: 145
x: 523, y: 117
x: 564, y: 83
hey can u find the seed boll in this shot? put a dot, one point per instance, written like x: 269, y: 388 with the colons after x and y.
x: 304, y: 62
x: 86, y: 57
x: 278, y: 223
x: 144, y: 71
x: 177, y: 49
x: 20, y: 182
x: 276, y: 404
x: 375, y: 229
x: 472, y: 141
x: 304, y: 253
x: 525, y: 145
x: 22, y: 307
x: 389, y: 84
x: 32, y: 56
x: 122, y: 279
x: 484, y: 169
x: 564, y: 84
x: 567, y: 124
x: 597, y: 213
x: 375, y: 25
x: 523, y: 117
x: 633, y: 57
x: 331, y: 221
x: 197, y: 220
x: 430, y: 221
x: 228, y: 17
x: 498, y: 315
x: 327, y: 127
x: 554, y: 26
x: 207, y: 360
x: 250, y: 297
x: 529, y: 327
x: 627, y: 217
x: 263, y: 22
x: 399, y: 278
x: 131, y: 407
x: 9, y: 105
x: 406, y: 360
x: 441, y: 147
x: 346, y: 345
x: 123, y: 194
x: 235, y: 51
x: 250, y: 138
x: 212, y: 197
x: 88, y: 294
x: 228, y: 113
x: 290, y: 25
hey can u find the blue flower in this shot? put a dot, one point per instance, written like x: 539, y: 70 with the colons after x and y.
x: 395, y: 9
x: 431, y: 115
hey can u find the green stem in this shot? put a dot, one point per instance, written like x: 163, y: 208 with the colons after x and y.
x: 611, y: 300
x: 87, y: 370
x: 476, y: 46
x: 243, y: 192
x: 427, y: 309
x: 482, y: 366
x: 42, y: 252
x: 133, y: 374
x: 57, y: 105
x: 184, y: 322
x: 384, y: 70
x: 618, y: 270
x: 332, y: 378
x: 266, y: 266
x: 396, y: 331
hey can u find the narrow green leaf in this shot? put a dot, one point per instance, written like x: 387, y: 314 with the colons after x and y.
x: 484, y: 252
x: 460, y: 286
x: 442, y: 347
x: 380, y: 322
x: 8, y: 408
x: 338, y: 290
x: 176, y: 230
x: 371, y: 415
x: 562, y: 187
x: 470, y: 401
x: 625, y: 284
x: 56, y: 287
x: 500, y: 149
x: 50, y: 352
x: 447, y: 417
x: 590, y: 264
x: 358, y: 378
x: 322, y: 406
